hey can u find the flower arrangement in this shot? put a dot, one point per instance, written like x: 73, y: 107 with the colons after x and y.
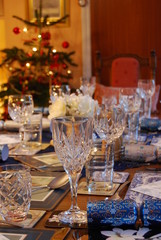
x: 73, y: 105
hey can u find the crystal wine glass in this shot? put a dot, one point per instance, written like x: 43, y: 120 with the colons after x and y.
x: 130, y: 99
x: 72, y: 138
x: 20, y: 108
x: 88, y: 85
x: 109, y: 125
x: 146, y: 90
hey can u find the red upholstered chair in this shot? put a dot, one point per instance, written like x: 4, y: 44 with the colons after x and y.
x: 125, y: 72
x: 124, y: 69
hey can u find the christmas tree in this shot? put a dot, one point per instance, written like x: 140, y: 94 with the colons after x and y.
x: 34, y: 71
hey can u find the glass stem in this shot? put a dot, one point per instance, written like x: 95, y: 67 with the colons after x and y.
x: 73, y: 179
x: 147, y: 107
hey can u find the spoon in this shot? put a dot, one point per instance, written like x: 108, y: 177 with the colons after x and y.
x: 57, y: 182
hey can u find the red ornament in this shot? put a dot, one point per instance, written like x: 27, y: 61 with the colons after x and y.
x: 56, y: 57
x: 16, y: 30
x: 65, y: 44
x: 64, y: 66
x: 45, y: 35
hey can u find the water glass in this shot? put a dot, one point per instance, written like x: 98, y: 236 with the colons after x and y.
x: 99, y: 168
x: 15, y: 192
x: 31, y: 132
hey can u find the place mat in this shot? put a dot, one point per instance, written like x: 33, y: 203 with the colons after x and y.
x: 30, y: 234
x: 120, y: 177
x: 42, y: 162
x: 32, y: 218
x: 139, y: 179
x: 82, y: 189
x: 54, y: 222
x: 46, y: 199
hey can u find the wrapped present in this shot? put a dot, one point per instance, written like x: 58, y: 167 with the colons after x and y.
x: 150, y: 212
x: 101, y: 214
x: 150, y: 124
x: 143, y: 153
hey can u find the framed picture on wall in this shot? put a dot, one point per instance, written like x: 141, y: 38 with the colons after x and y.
x: 55, y: 10
x: 1, y: 8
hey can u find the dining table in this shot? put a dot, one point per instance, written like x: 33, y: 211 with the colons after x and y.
x: 66, y: 231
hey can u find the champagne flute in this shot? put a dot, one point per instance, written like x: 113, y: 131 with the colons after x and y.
x: 20, y: 108
x: 72, y: 138
x: 146, y: 90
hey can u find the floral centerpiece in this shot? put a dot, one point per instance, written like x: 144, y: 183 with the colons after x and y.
x: 73, y: 105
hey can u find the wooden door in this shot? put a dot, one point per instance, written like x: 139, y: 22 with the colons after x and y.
x: 126, y: 26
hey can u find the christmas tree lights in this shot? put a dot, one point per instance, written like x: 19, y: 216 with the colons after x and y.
x: 33, y: 70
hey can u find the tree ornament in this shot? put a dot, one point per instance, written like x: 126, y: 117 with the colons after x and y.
x: 56, y: 57
x: 65, y: 44
x: 64, y: 66
x: 16, y: 30
x: 45, y: 35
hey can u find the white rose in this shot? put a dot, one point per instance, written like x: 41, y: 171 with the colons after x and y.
x: 72, y: 103
x: 58, y: 108
x: 87, y: 106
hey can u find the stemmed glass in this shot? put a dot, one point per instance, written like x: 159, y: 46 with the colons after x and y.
x: 130, y: 99
x: 72, y: 138
x: 20, y: 108
x: 88, y: 85
x: 146, y: 89
x: 109, y: 125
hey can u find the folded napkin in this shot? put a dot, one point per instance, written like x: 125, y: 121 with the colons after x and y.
x: 150, y: 124
x: 10, y: 125
x: 9, y: 139
x: 144, y: 153
x: 111, y: 213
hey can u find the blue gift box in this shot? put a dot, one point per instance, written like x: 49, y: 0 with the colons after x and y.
x: 150, y: 124
x: 111, y: 213
x: 150, y: 212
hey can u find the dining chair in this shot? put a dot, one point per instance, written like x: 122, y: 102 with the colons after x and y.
x: 124, y: 71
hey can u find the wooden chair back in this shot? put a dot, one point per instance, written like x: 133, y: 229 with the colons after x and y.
x: 106, y: 63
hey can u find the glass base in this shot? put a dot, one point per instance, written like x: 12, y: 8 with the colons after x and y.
x: 21, y: 150
x: 71, y: 216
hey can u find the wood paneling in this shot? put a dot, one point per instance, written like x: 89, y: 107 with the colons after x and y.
x: 126, y: 26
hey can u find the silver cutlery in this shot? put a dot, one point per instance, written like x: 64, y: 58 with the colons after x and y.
x: 57, y: 182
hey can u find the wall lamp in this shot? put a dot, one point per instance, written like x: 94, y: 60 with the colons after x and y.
x: 82, y: 3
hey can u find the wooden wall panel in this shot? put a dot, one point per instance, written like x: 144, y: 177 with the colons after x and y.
x: 126, y: 26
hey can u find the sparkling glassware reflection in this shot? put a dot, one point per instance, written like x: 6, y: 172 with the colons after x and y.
x: 109, y: 125
x: 146, y: 89
x: 15, y: 192
x: 109, y: 122
x: 20, y: 108
x: 88, y: 85
x: 59, y: 90
x: 72, y: 137
x: 131, y: 100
